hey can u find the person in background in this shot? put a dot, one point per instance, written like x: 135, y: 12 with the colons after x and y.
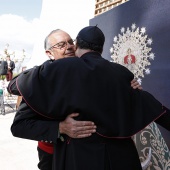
x: 11, y: 66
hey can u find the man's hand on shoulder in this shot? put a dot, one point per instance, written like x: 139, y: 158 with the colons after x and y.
x: 76, y: 129
x: 135, y: 84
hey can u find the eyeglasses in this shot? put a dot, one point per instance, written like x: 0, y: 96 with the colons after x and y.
x: 62, y: 44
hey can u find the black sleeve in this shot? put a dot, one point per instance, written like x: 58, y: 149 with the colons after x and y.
x: 12, y: 87
x: 29, y: 125
x: 164, y: 120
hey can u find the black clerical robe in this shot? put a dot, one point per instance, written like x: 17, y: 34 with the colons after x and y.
x: 101, y: 92
x: 96, y: 88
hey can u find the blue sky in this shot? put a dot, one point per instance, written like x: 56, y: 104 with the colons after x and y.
x: 29, y: 9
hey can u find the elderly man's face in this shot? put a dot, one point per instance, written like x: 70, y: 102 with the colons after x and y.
x: 61, y: 46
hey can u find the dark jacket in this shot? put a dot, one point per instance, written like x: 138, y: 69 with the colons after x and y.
x: 12, y: 65
x: 96, y: 88
x: 100, y: 91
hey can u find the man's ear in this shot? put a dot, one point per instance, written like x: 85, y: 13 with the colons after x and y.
x: 48, y: 53
x: 75, y: 46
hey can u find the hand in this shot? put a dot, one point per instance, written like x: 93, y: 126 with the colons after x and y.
x: 76, y: 129
x: 135, y: 85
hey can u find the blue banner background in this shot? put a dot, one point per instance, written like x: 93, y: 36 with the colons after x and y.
x: 154, y: 15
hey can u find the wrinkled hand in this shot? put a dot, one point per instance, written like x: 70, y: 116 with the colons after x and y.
x: 76, y: 129
x: 135, y: 84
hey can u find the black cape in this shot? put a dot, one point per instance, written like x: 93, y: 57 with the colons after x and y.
x: 94, y: 87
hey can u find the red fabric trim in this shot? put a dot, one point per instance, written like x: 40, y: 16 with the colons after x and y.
x: 9, y: 89
x: 111, y: 137
x: 46, y: 147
